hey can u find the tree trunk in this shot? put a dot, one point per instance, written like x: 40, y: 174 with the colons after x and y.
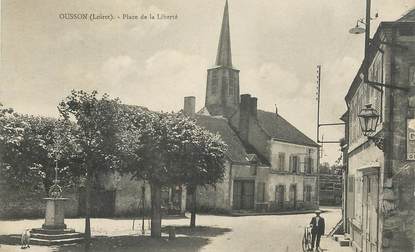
x: 193, y: 210
x: 88, y: 207
x: 155, y: 210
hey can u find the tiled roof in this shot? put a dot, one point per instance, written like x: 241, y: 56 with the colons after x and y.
x: 236, y: 150
x: 279, y: 128
x: 408, y: 17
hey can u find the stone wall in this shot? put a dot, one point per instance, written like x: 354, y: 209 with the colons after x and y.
x: 218, y: 197
x: 31, y: 204
x: 398, y: 201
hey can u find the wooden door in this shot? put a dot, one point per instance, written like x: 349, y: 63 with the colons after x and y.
x: 293, y: 195
x: 280, y: 196
x: 248, y: 193
x: 370, y: 215
x: 365, y: 215
x: 243, y: 194
x: 237, y: 194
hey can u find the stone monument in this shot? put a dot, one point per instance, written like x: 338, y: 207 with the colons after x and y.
x: 54, y: 230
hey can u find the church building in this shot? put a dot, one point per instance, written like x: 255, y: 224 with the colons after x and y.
x: 271, y: 165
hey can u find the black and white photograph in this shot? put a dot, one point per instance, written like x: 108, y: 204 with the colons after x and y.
x: 220, y: 125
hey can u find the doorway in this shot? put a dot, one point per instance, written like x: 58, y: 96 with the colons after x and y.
x: 243, y: 194
x: 293, y: 195
x: 370, y: 215
x: 280, y: 196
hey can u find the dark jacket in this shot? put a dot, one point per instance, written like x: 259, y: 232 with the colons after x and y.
x: 317, y: 229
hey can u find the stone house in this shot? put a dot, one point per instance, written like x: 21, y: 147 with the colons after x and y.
x: 271, y: 164
x: 379, y: 203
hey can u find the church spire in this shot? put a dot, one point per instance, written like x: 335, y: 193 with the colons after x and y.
x: 222, y: 87
x: 224, y: 56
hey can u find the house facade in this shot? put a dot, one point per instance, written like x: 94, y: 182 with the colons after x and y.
x: 271, y: 165
x: 379, y: 196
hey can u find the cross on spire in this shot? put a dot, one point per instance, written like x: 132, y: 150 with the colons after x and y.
x: 224, y: 56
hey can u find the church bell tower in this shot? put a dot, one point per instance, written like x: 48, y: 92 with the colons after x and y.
x: 222, y: 89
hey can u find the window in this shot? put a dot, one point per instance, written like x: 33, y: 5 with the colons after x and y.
x: 311, y: 165
x: 231, y: 88
x: 260, y: 197
x: 225, y: 82
x: 214, y: 88
x: 294, y: 164
x: 281, y: 161
x: 308, y: 189
x: 308, y: 165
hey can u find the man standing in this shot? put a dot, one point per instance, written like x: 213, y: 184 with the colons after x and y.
x: 317, y: 229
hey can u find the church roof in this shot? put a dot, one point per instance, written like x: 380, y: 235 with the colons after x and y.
x: 280, y: 129
x: 236, y: 150
x: 224, y: 55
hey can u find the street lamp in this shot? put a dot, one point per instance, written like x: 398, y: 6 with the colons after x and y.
x: 368, y: 119
x: 357, y: 29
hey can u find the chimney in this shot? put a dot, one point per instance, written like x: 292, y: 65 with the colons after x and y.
x: 245, y: 101
x: 253, y: 107
x: 244, y: 116
x: 189, y: 105
x: 276, y: 109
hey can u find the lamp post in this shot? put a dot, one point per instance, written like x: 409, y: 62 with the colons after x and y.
x: 366, y: 31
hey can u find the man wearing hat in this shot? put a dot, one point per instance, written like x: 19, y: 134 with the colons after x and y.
x: 317, y: 229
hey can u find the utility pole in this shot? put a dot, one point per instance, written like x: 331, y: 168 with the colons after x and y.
x: 322, y: 142
x: 318, y: 137
x: 318, y: 101
x: 367, y: 39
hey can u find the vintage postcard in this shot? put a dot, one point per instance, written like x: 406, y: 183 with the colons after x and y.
x: 221, y: 125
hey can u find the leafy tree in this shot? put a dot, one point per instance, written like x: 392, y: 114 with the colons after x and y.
x: 144, y: 147
x: 95, y: 136
x: 168, y: 149
x: 201, y: 162
x: 26, y: 161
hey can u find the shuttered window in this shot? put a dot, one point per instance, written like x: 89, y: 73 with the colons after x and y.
x: 308, y: 165
x: 307, y: 193
x: 281, y: 161
x: 294, y: 164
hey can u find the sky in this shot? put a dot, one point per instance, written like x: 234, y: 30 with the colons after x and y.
x: 155, y: 63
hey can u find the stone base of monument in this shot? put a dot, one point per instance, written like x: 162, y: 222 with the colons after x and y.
x: 47, y: 237
x: 54, y: 230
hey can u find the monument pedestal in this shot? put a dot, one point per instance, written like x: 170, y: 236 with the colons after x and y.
x: 55, y: 213
x: 54, y: 231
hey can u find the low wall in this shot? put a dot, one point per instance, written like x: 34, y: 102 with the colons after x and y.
x: 31, y: 205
